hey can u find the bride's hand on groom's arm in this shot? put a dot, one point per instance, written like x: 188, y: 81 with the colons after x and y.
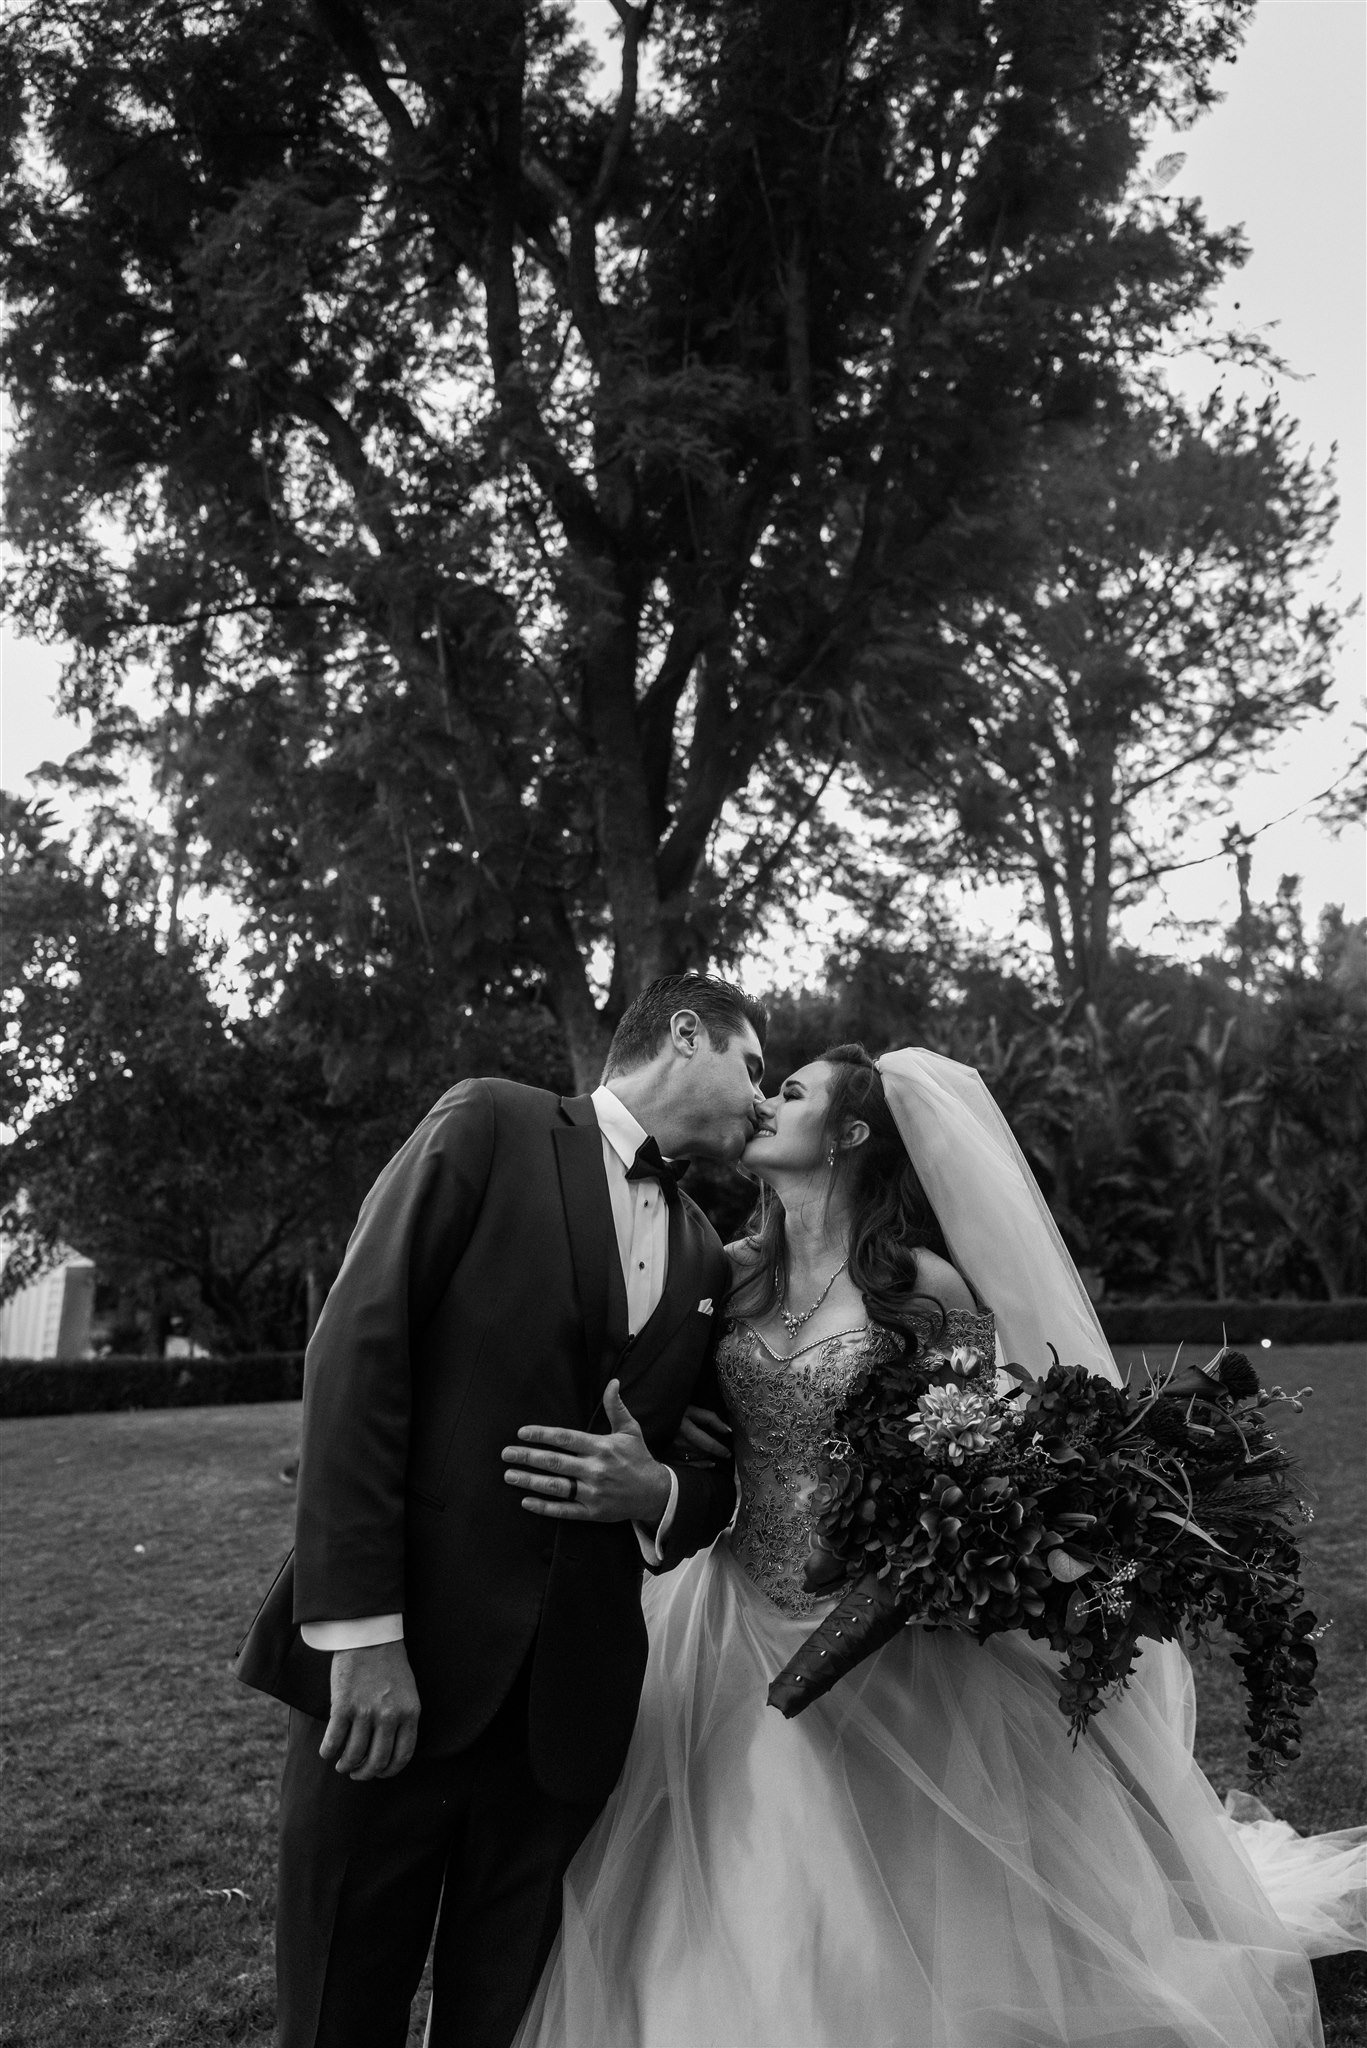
x: 701, y: 1438
x: 373, y: 1725
x: 574, y: 1475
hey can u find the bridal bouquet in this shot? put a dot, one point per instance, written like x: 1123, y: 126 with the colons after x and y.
x: 1087, y: 1515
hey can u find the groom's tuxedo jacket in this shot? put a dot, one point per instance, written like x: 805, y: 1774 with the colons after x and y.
x: 482, y: 1289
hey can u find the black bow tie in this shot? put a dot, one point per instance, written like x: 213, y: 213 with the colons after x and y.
x: 648, y: 1165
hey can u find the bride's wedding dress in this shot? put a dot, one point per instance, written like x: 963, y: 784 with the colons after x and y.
x: 921, y: 1859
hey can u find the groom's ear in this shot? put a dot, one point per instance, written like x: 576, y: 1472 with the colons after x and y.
x: 686, y: 1032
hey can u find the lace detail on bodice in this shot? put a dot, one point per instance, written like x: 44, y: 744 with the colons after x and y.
x: 783, y: 1411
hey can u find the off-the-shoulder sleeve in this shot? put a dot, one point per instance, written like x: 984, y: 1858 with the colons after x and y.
x: 959, y: 1331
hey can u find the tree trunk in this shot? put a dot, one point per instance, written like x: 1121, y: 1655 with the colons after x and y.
x: 587, y: 1034
x: 1097, y: 939
x: 1046, y: 874
x: 588, y: 1039
x: 627, y: 841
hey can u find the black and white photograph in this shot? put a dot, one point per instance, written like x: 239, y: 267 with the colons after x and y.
x: 683, y: 1114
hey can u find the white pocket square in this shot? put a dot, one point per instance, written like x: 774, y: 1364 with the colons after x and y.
x: 705, y: 1306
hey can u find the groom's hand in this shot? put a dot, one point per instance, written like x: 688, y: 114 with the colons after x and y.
x: 373, y: 1726
x: 578, y: 1477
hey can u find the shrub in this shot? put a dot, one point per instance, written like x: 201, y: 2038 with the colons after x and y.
x: 1239, y: 1322
x: 85, y: 1386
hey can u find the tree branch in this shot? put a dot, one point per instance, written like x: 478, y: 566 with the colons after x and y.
x: 635, y: 22
x: 567, y: 492
x: 345, y: 27
x: 581, y: 1020
x: 725, y: 749
x: 1189, y: 760
x: 369, y: 487
x: 770, y: 866
x: 1046, y: 873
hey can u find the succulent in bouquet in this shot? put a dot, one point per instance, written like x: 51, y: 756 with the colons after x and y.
x: 1087, y: 1515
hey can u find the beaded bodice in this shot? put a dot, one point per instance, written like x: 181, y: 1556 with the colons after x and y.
x: 783, y: 1410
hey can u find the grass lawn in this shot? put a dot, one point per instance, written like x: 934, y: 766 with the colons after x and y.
x: 140, y: 1779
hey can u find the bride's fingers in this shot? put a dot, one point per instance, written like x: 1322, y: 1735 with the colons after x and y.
x: 696, y: 1433
x: 707, y: 1418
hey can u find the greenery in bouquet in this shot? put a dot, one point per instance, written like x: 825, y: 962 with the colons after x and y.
x: 1088, y: 1515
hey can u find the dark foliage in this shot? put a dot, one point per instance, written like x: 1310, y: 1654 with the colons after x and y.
x: 1087, y: 1515
x: 210, y: 1162
x: 95, y: 1386
x: 1143, y: 642
x: 1196, y: 1131
x: 506, y: 475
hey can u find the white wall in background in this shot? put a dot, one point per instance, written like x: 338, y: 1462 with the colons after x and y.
x: 50, y: 1318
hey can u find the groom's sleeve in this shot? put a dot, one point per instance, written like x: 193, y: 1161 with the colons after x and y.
x: 367, y: 1632
x: 703, y: 1499
x: 706, y: 1503
x: 411, y: 1233
x: 652, y: 1541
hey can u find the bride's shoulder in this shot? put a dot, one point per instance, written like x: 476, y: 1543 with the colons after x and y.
x: 936, y: 1276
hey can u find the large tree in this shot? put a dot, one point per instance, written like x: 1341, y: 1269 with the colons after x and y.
x: 1143, y: 640
x: 209, y: 1160
x: 503, y: 468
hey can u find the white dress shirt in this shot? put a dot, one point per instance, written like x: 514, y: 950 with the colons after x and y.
x: 640, y: 1216
x: 639, y: 1210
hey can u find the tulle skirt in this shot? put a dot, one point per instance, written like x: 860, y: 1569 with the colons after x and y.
x: 920, y: 1860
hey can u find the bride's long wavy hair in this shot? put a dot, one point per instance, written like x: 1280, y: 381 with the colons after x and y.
x: 891, y: 1219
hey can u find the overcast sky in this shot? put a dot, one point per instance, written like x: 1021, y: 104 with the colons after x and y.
x: 1286, y: 155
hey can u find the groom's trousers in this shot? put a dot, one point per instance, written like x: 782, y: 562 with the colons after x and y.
x: 470, y: 1842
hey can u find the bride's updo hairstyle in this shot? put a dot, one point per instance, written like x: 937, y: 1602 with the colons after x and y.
x: 890, y: 1221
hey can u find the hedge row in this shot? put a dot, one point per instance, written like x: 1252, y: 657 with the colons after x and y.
x: 1235, y: 1322
x: 85, y: 1386
x: 88, y: 1386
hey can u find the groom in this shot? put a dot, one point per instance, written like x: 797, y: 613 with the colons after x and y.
x: 525, y: 1309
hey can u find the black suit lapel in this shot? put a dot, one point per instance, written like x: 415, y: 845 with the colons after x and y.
x: 588, y: 1221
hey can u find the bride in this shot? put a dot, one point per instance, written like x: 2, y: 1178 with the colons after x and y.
x: 921, y: 1859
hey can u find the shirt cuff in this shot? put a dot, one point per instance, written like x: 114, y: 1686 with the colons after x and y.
x: 365, y: 1633
x: 652, y: 1546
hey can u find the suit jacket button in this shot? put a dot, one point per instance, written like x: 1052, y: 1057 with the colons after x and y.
x: 547, y: 1549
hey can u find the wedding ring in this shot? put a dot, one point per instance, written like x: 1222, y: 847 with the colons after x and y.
x: 573, y: 1493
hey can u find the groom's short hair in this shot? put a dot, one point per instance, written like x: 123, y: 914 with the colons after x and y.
x: 720, y: 1006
